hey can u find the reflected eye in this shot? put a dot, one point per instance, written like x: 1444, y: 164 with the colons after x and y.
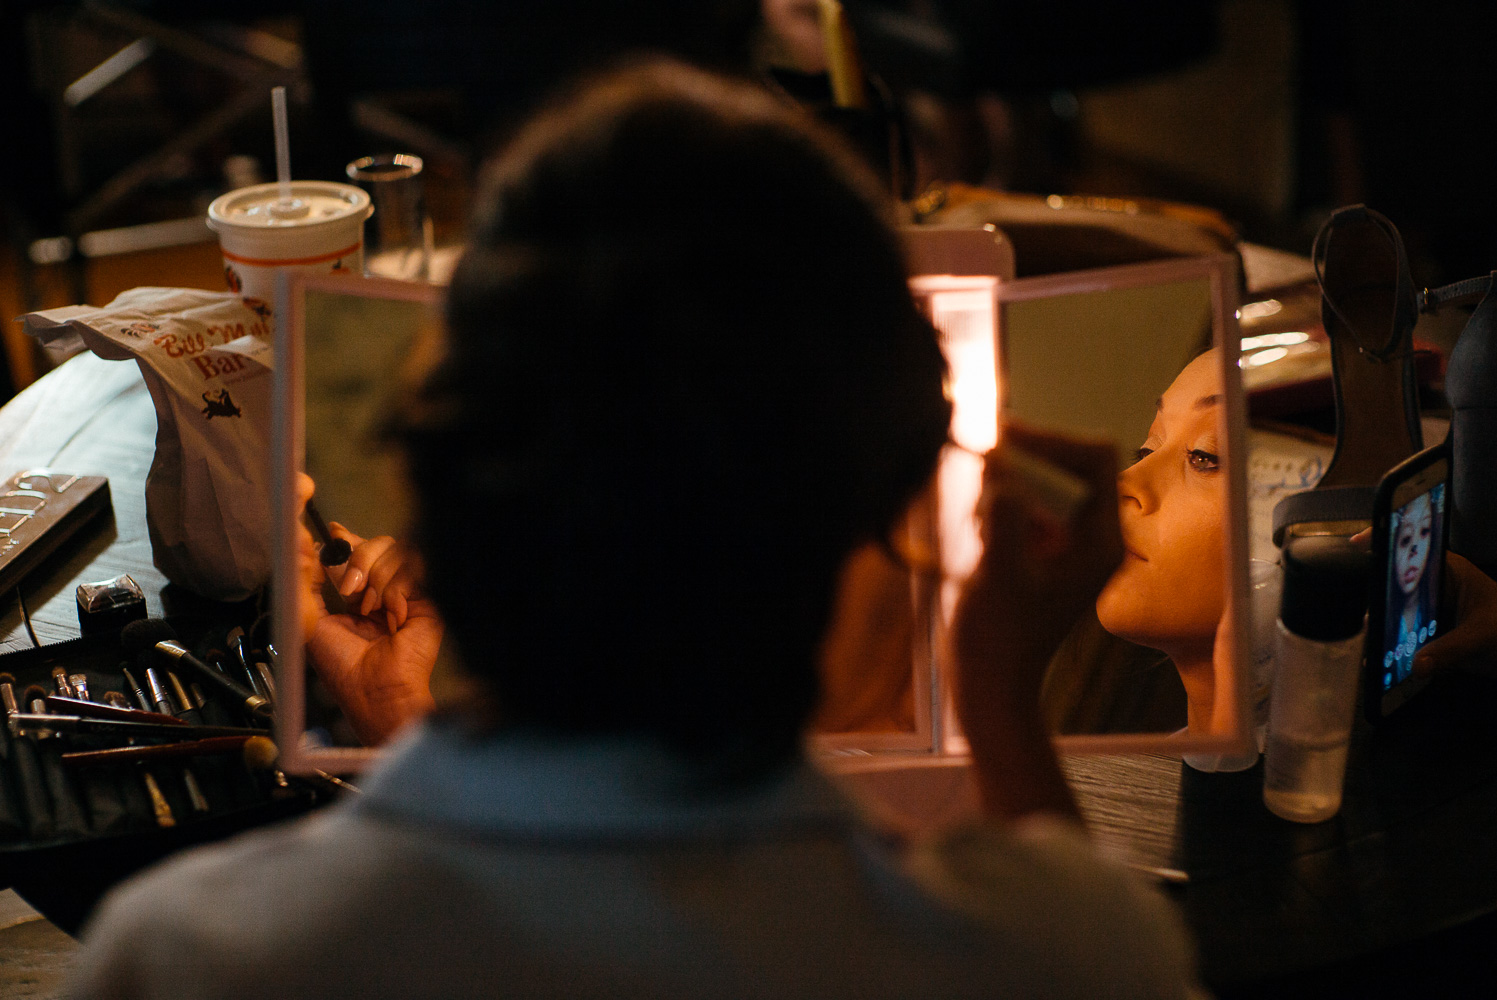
x: 1202, y: 461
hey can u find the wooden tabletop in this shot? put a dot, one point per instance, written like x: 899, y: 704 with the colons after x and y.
x: 1411, y: 853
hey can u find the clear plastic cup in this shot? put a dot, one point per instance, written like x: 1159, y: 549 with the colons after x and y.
x: 399, y: 237
x: 321, y: 229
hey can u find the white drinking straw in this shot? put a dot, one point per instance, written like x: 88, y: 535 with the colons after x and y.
x: 282, y: 144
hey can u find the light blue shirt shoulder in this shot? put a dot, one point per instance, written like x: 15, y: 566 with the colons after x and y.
x: 530, y: 786
x: 522, y: 866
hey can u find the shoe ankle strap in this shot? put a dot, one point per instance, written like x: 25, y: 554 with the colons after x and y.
x: 1458, y: 293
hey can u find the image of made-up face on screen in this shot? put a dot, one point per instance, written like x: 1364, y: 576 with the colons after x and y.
x: 1414, y: 536
x: 1411, y: 541
x: 1168, y: 594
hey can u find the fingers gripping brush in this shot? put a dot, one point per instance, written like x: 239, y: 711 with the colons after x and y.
x: 334, y: 551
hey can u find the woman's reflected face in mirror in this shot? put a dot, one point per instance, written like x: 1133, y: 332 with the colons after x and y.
x: 1168, y: 593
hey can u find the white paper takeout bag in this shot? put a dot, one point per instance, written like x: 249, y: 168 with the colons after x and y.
x: 205, y: 357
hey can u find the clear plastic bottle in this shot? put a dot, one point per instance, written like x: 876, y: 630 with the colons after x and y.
x: 1311, y: 719
x: 1317, y: 664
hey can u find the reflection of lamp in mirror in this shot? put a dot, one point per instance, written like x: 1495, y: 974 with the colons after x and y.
x: 964, y: 310
x: 881, y: 689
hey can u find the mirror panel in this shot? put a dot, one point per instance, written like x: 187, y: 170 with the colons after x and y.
x: 1095, y: 361
x: 1145, y: 356
x: 349, y: 340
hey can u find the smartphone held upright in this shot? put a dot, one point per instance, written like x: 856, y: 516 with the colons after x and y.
x: 1408, y: 547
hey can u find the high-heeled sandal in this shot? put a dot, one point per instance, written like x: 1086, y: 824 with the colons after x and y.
x: 1368, y: 305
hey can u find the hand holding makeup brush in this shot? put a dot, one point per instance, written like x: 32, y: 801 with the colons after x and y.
x: 377, y: 578
x: 1051, y: 539
x: 377, y: 657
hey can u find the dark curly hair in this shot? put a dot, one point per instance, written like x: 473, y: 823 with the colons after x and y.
x: 682, y: 379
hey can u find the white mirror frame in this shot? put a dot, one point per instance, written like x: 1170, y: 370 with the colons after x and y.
x: 1221, y: 271
x: 288, y: 425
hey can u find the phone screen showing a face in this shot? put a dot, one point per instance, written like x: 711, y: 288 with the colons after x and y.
x: 1412, y: 548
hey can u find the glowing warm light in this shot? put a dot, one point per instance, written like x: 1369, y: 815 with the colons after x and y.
x: 964, y: 311
x: 1260, y: 310
x: 1274, y: 340
x: 965, y: 320
x: 1265, y: 357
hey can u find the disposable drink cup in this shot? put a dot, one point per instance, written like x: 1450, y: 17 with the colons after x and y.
x: 320, y: 230
x: 1310, y: 718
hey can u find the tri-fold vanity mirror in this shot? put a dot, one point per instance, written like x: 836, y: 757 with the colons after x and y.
x: 1142, y: 354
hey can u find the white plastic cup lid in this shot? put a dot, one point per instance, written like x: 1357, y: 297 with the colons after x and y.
x: 313, y: 203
